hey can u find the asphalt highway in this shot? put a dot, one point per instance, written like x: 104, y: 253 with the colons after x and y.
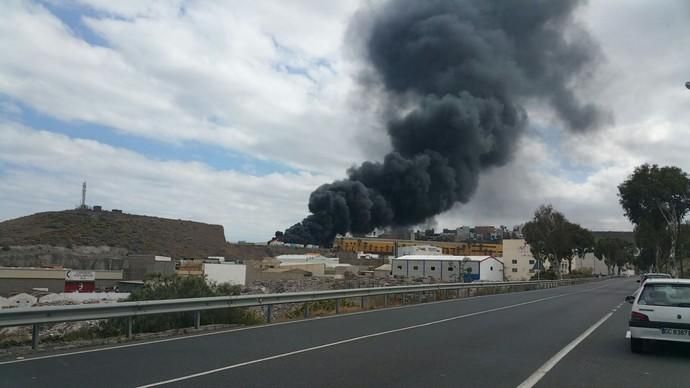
x: 568, y: 336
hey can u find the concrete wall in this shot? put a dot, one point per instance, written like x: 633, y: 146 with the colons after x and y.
x: 316, y: 269
x: 226, y: 273
x: 433, y: 268
x: 271, y: 275
x: 590, y: 261
x: 491, y: 270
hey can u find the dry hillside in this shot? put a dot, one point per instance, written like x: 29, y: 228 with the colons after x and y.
x: 138, y: 234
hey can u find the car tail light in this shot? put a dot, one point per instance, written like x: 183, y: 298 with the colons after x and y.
x: 635, y: 316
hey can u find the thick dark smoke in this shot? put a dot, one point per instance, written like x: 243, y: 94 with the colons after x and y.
x: 456, y: 73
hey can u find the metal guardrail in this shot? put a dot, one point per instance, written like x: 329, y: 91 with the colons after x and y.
x: 52, y: 314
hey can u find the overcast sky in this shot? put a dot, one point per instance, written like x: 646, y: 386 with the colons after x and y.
x: 233, y: 112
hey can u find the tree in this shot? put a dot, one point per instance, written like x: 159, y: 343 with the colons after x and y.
x: 553, y: 238
x: 653, y: 242
x: 583, y: 242
x: 684, y: 245
x: 615, y: 252
x: 656, y: 199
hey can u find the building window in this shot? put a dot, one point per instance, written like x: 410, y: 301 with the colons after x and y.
x: 531, y: 261
x: 514, y: 269
x: 414, y: 267
x: 400, y: 267
x: 514, y: 261
x: 491, y: 268
x: 433, y: 268
x: 450, y: 269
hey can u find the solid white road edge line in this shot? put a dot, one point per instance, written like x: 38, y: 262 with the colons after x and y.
x: 257, y: 327
x: 553, y: 361
x: 336, y: 343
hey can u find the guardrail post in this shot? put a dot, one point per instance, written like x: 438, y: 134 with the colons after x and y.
x: 34, y: 336
x: 306, y: 310
x: 197, y: 319
x: 337, y: 305
x: 269, y: 312
x: 385, y: 300
x: 362, y: 303
x: 129, y: 326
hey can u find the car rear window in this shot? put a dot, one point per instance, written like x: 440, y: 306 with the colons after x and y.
x: 657, y: 277
x: 674, y: 295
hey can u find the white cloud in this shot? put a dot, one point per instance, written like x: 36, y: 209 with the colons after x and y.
x: 211, y: 74
x: 270, y: 79
x: 43, y: 171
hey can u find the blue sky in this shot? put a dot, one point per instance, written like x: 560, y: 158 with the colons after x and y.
x: 213, y: 156
x: 72, y: 15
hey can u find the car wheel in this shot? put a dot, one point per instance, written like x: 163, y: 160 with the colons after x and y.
x: 637, y: 345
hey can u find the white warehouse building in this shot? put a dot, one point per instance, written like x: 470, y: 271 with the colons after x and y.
x: 449, y: 268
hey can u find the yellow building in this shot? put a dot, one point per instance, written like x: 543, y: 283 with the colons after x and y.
x: 388, y: 246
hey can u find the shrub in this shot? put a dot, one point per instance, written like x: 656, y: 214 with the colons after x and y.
x: 177, y: 288
x: 581, y: 273
x: 546, y: 275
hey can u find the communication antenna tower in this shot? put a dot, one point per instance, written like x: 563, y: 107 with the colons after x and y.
x: 83, y: 195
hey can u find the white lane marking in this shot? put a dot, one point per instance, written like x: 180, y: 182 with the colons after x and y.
x: 345, y: 341
x: 553, y: 361
x: 143, y: 343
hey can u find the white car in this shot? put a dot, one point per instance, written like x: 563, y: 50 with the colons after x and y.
x: 660, y: 311
x: 653, y: 275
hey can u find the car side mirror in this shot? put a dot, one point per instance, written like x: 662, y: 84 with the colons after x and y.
x: 630, y: 299
x: 638, y: 280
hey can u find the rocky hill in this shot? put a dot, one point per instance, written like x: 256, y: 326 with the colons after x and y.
x: 137, y: 234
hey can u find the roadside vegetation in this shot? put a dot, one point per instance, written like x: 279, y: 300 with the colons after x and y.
x: 174, y: 287
x: 655, y: 199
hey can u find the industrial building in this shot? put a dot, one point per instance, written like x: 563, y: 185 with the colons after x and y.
x: 316, y: 264
x: 424, y: 250
x: 139, y: 267
x: 215, y: 269
x: 20, y: 279
x: 391, y: 247
x: 449, y: 268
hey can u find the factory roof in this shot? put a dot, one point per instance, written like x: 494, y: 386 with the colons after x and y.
x: 445, y: 258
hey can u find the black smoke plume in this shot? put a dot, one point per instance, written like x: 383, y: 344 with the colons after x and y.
x: 456, y: 73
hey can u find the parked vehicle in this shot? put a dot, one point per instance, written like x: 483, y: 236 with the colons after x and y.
x: 653, y: 275
x: 660, y: 312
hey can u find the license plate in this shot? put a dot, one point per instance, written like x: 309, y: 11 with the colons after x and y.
x: 681, y: 332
